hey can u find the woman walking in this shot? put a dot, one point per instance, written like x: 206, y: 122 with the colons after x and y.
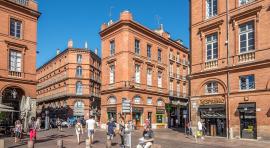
x: 32, y: 128
x: 18, y: 131
x: 78, y: 130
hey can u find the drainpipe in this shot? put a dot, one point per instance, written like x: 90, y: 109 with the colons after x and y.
x: 190, y: 64
x: 228, y: 73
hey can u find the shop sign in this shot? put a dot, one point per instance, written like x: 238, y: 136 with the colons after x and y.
x: 111, y: 109
x: 212, y: 101
x: 160, y: 111
x: 179, y: 103
x: 137, y: 109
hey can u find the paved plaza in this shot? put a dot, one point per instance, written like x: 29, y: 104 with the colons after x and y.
x: 167, y: 138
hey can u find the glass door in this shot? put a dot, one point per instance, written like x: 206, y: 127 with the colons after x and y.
x: 248, y: 125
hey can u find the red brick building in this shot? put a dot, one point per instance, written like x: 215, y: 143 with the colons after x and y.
x: 135, y: 63
x: 69, y: 84
x: 18, y: 41
x: 230, y: 67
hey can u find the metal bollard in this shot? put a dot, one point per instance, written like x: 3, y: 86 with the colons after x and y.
x: 2, y: 143
x: 87, y: 143
x: 30, y: 144
x: 60, y: 143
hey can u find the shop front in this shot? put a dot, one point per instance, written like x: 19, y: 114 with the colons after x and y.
x: 137, y: 116
x: 160, y: 117
x: 112, y: 113
x: 213, y: 115
x: 178, y: 113
x: 248, y: 124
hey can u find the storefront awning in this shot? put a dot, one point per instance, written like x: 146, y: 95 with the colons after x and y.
x: 246, y: 107
x: 212, y: 107
x: 7, y: 110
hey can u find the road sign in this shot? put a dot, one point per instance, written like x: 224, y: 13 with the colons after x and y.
x: 126, y: 107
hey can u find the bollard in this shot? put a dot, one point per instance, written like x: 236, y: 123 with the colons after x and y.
x: 87, y: 143
x: 30, y: 144
x: 60, y: 143
x: 2, y: 143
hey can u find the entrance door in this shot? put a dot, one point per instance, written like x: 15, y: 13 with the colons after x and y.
x: 215, y: 127
x: 150, y: 117
x: 112, y: 115
x: 137, y: 118
x: 248, y: 125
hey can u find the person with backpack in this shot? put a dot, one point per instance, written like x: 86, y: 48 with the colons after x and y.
x: 78, y: 130
x: 110, y: 132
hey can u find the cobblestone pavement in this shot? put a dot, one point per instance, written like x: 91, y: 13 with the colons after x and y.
x: 167, y: 138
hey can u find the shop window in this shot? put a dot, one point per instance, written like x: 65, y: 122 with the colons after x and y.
x: 160, y: 118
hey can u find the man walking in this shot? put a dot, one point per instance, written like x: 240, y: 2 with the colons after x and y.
x: 91, y: 123
x: 110, y: 132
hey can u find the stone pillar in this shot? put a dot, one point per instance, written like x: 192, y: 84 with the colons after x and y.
x: 0, y: 99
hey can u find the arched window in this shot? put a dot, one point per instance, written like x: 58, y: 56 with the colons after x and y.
x: 137, y: 100
x: 160, y: 102
x: 79, y: 88
x: 79, y: 71
x: 211, y: 87
x: 112, y: 100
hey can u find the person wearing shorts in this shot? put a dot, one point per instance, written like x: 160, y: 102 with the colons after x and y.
x: 91, y: 123
x: 110, y: 132
x: 18, y: 131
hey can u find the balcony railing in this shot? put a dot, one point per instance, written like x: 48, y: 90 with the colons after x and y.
x: 21, y: 2
x: 177, y: 94
x: 15, y: 74
x: 211, y: 64
x: 52, y: 81
x: 172, y: 57
x: 184, y: 78
x: 185, y: 62
x: 246, y: 57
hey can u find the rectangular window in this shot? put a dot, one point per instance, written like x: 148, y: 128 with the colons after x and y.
x: 171, y: 70
x: 211, y: 8
x: 137, y: 74
x: 246, y: 37
x: 177, y: 71
x: 15, y: 28
x: 171, y: 88
x: 211, y: 47
x: 15, y: 61
x: 79, y: 71
x: 247, y: 82
x: 211, y: 88
x: 160, y: 79
x: 112, y: 74
x: 79, y: 58
x: 149, y: 101
x: 243, y: 2
x: 137, y: 46
x: 149, y: 52
x: 178, y: 57
x: 159, y: 55
x: 112, y: 48
x: 149, y: 77
x: 184, y: 89
x: 178, y: 89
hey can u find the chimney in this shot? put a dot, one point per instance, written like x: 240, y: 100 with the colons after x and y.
x: 126, y: 16
x: 70, y: 43
x: 57, y: 51
x: 103, y: 26
x: 161, y: 27
x: 86, y: 45
x: 96, y: 51
x: 110, y: 23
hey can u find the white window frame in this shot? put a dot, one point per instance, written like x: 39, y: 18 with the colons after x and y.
x: 159, y: 55
x: 149, y: 51
x: 178, y: 88
x: 137, y: 73
x: 79, y: 58
x: 137, y: 100
x: 248, y: 85
x: 17, y: 26
x: 112, y: 47
x: 137, y: 47
x: 247, y: 34
x: 79, y: 88
x: 171, y: 69
x: 112, y: 74
x: 210, y: 5
x: 79, y: 71
x: 149, y: 76
x: 15, y: 61
x: 211, y: 43
x: 211, y: 87
x: 149, y: 101
x: 171, y: 85
x: 159, y: 79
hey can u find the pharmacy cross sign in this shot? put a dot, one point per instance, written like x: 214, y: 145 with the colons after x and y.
x: 126, y: 107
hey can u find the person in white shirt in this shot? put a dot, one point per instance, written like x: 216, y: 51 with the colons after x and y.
x: 91, y: 123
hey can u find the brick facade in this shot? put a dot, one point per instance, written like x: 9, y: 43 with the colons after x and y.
x: 230, y: 66
x: 123, y: 35
x: 22, y: 79
x: 59, y: 84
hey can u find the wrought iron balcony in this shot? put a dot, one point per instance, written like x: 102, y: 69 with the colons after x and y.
x: 21, y: 2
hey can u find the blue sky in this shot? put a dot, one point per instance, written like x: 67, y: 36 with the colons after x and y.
x: 80, y: 20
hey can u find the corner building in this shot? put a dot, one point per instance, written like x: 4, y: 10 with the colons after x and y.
x: 230, y: 73
x: 135, y: 64
x: 69, y: 84
x: 18, y: 42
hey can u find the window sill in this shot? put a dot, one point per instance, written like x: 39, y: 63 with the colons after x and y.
x: 246, y: 90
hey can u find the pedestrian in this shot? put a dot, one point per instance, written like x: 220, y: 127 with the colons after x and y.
x: 59, y: 124
x: 146, y: 123
x: 122, y: 131
x: 38, y: 123
x: 189, y: 126
x: 78, y: 130
x: 91, y: 123
x: 32, y: 129
x: 148, y: 138
x: 18, y: 131
x: 200, y: 128
x: 110, y: 132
